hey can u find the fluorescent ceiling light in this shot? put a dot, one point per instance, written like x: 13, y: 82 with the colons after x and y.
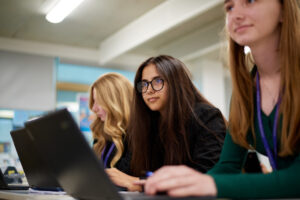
x: 7, y: 114
x: 62, y: 9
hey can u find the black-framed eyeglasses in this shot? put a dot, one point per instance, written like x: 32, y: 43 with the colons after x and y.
x: 157, y: 84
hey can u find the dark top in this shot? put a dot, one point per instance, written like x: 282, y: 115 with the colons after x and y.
x: 205, y: 144
x: 124, y: 162
x: 231, y: 183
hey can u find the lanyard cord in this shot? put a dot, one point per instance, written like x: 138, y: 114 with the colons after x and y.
x: 107, y: 155
x: 272, y: 157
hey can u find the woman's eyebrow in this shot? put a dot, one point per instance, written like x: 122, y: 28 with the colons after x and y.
x: 152, y: 78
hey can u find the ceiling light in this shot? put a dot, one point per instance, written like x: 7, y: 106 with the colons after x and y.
x: 62, y: 9
x: 7, y: 114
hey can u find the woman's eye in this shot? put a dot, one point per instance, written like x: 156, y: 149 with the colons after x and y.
x: 158, y: 80
x: 228, y: 8
x: 250, y: 1
x: 144, y: 84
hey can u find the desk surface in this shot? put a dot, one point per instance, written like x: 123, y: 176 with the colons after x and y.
x: 26, y: 195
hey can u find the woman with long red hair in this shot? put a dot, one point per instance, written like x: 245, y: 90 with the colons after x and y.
x: 265, y: 108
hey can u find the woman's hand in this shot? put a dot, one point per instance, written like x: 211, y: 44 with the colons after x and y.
x: 121, y: 179
x: 180, y: 181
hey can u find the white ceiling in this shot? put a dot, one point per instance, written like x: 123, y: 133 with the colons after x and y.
x: 113, y: 33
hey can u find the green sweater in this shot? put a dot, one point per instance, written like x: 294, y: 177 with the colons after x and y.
x: 231, y: 183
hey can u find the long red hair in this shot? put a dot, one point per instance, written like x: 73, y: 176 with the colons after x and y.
x: 241, y: 117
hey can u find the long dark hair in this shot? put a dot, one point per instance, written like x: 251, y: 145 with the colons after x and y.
x: 148, y: 128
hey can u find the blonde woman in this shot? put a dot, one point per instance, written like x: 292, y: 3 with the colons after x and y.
x: 110, y: 100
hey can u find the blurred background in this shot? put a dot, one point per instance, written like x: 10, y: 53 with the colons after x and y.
x: 45, y: 66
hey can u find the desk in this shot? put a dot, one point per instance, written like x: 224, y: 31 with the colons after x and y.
x: 26, y: 195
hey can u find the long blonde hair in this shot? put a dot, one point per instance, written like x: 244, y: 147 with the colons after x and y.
x: 114, y: 93
x: 241, y: 117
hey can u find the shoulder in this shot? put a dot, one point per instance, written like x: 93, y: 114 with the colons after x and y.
x: 205, y: 111
x: 207, y: 128
x: 209, y: 119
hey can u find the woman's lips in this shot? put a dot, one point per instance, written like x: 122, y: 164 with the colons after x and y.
x: 241, y: 28
x: 153, y: 99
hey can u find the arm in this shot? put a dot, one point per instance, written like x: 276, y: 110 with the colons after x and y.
x: 121, y: 179
x: 206, y: 142
x: 183, y: 181
x: 225, y: 179
x: 120, y: 175
x: 278, y: 184
x: 231, y: 183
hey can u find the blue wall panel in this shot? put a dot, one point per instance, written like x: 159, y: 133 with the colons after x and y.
x: 85, y: 74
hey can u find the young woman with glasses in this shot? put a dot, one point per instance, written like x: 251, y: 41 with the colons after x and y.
x: 171, y: 122
x: 265, y: 108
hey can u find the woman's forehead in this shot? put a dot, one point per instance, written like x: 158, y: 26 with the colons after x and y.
x: 150, y: 72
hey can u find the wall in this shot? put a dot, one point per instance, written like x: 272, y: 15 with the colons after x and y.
x: 26, y: 82
x: 212, y: 79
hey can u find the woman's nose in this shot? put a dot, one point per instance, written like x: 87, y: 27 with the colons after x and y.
x: 150, y: 89
x: 238, y: 13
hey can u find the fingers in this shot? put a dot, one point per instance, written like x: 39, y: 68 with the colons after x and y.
x: 192, y: 184
x: 195, y: 185
x: 139, y: 182
x: 189, y: 190
x: 168, y: 178
x: 180, y: 181
x: 168, y: 171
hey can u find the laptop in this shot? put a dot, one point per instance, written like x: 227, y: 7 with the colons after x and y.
x: 6, y: 186
x: 73, y: 161
x: 38, y: 175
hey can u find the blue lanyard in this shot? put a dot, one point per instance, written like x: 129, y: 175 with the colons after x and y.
x: 108, y: 154
x: 272, y: 157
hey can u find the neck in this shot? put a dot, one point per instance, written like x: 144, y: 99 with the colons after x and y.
x: 266, y: 57
x: 163, y: 113
x: 268, y: 65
